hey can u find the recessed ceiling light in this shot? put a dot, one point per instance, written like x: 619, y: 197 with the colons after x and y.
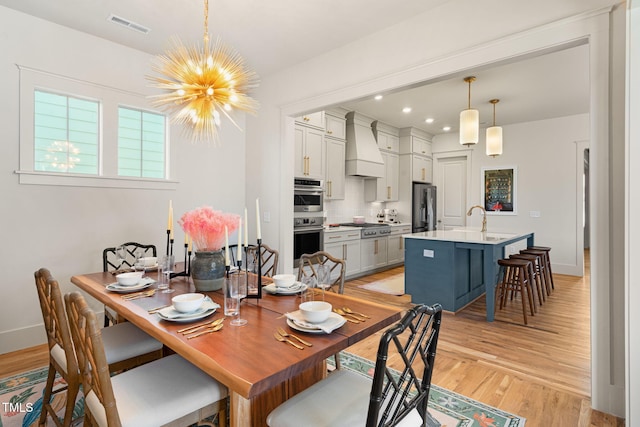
x: 429, y: 120
x: 377, y: 97
x: 406, y: 110
x: 446, y: 128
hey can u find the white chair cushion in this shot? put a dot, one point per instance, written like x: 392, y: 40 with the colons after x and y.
x: 159, y: 392
x: 342, y: 399
x: 125, y: 340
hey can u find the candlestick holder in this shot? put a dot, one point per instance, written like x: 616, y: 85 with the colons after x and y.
x: 168, y: 242
x: 187, y: 264
x: 258, y: 294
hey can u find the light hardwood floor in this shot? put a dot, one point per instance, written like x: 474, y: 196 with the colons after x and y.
x: 540, y: 371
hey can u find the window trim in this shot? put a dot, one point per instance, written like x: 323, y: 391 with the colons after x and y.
x: 109, y: 99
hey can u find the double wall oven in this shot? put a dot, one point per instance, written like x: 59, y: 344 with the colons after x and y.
x: 308, y: 217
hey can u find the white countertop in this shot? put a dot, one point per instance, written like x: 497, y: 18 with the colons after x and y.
x: 467, y: 235
x: 341, y: 228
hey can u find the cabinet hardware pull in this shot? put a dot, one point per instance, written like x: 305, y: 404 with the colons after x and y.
x: 344, y: 251
x: 306, y: 119
x: 424, y: 174
x: 375, y: 249
x: 329, y: 132
x: 388, y: 147
x: 388, y: 192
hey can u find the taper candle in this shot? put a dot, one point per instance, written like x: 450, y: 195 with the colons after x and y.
x: 258, y: 232
x: 190, y: 245
x: 170, y: 217
x: 246, y: 231
x: 226, y: 247
x: 239, y: 239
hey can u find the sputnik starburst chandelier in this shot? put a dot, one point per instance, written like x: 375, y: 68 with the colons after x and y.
x: 200, y: 84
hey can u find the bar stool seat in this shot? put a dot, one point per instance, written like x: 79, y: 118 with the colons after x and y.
x: 516, y: 279
x: 547, y: 261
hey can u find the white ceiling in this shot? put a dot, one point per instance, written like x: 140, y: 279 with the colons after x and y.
x: 280, y: 33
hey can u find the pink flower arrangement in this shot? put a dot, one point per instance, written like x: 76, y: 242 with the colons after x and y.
x: 206, y: 226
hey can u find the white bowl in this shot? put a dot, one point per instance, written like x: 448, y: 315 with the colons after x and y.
x: 150, y: 261
x: 284, y: 280
x: 187, y: 303
x: 129, y: 279
x: 315, y: 311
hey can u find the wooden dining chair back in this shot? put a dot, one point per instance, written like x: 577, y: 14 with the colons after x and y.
x: 268, y: 259
x: 158, y: 393
x: 62, y: 359
x: 391, y: 398
x: 110, y: 261
x: 310, y: 262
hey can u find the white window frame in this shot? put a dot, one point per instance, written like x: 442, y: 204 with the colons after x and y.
x: 110, y: 99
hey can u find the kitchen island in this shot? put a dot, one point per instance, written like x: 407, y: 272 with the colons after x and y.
x: 454, y: 267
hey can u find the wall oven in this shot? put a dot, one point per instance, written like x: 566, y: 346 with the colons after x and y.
x: 308, y: 236
x: 308, y: 195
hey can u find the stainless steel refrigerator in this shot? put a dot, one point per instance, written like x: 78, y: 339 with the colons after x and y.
x: 423, y: 212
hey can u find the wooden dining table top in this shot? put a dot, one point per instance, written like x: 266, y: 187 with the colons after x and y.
x: 247, y: 359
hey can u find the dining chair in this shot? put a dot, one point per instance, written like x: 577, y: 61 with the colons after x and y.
x: 309, y: 264
x: 167, y: 390
x: 390, y: 398
x: 268, y: 257
x: 110, y: 262
x: 126, y: 347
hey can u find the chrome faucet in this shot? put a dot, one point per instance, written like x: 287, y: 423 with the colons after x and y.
x: 484, y: 216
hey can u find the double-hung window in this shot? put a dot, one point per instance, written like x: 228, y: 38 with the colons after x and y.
x: 80, y: 133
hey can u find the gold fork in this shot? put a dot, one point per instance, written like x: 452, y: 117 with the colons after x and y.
x: 195, y: 328
x: 348, y: 310
x: 349, y: 317
x: 139, y: 295
x: 286, y: 334
x: 206, y: 331
x: 283, y: 339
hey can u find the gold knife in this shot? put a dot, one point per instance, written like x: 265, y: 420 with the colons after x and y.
x: 208, y: 331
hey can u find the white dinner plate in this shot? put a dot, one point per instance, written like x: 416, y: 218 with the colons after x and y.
x: 333, y: 322
x: 115, y: 287
x: 172, y: 315
x: 294, y: 289
x: 190, y: 318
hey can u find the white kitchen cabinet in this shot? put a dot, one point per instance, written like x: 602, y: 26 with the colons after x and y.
x: 335, y: 126
x: 335, y: 174
x: 345, y: 245
x: 373, y: 253
x: 395, y: 246
x: 313, y: 119
x: 309, y: 152
x: 415, y: 141
x: 384, y: 189
x: 387, y: 136
x: 422, y: 168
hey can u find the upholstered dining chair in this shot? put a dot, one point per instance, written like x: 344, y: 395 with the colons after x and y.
x: 309, y: 264
x: 268, y: 256
x: 168, y: 390
x: 391, y: 398
x: 126, y: 347
x: 110, y: 262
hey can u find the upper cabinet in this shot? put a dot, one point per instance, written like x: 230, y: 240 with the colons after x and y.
x: 335, y: 176
x: 386, y: 136
x: 309, y: 152
x: 415, y: 141
x: 384, y: 189
x: 314, y: 120
x: 335, y: 124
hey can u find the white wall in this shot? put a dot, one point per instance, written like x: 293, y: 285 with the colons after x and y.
x: 436, y: 44
x: 66, y: 228
x: 536, y: 149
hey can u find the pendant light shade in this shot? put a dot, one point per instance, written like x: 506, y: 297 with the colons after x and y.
x: 494, y: 135
x: 469, y: 121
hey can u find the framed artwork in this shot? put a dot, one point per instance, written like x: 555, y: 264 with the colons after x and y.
x: 499, y: 190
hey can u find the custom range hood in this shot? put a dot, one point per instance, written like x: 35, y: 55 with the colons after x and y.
x: 362, y: 155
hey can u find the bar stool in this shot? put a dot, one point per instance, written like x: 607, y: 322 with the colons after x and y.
x: 541, y: 266
x: 534, y: 272
x: 547, y: 261
x: 516, y: 279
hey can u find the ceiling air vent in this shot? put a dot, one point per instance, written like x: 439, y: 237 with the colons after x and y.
x: 129, y: 24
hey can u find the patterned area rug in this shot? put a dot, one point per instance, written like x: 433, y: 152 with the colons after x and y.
x: 392, y: 286
x: 21, y: 399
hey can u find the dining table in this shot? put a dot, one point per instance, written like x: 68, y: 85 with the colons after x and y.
x: 259, y: 371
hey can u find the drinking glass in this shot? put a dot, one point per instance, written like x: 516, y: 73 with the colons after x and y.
x: 231, y: 290
x: 165, y: 268
x: 121, y: 255
x: 139, y: 262
x: 308, y: 293
x: 324, y: 277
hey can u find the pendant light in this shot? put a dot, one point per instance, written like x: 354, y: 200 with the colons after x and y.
x: 494, y: 135
x: 469, y: 120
